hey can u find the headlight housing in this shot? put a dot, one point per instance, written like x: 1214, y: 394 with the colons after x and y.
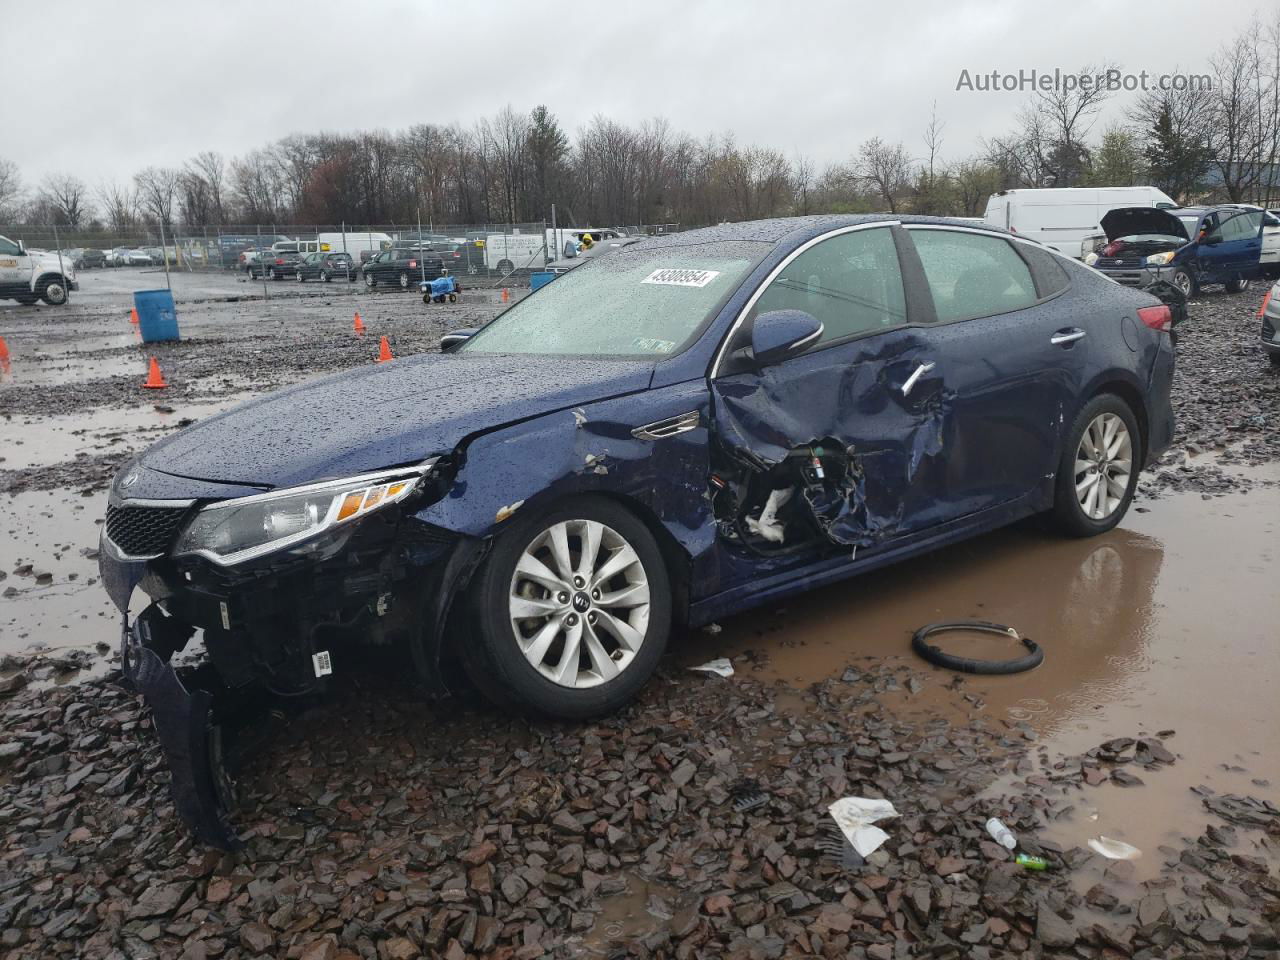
x: 233, y: 531
x: 1090, y: 259
x: 1160, y: 259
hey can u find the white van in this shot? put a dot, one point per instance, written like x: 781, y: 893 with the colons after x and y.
x: 1063, y: 217
x: 509, y: 252
x: 360, y: 246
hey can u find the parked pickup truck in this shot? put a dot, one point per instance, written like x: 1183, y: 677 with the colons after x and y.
x: 30, y: 275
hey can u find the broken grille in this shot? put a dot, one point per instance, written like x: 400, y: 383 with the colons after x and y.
x: 143, y: 531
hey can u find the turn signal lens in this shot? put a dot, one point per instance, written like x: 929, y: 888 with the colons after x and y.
x: 1265, y: 300
x: 350, y: 504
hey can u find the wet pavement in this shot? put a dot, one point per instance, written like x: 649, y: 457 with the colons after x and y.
x: 381, y: 826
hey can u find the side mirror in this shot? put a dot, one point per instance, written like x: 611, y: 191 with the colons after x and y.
x: 781, y: 334
x: 450, y: 341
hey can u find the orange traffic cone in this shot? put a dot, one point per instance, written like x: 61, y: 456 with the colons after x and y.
x: 358, y: 326
x: 506, y: 294
x: 4, y: 350
x: 133, y: 315
x: 384, y: 352
x: 155, y: 380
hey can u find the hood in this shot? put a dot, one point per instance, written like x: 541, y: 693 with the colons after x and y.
x: 1130, y: 221
x: 373, y: 417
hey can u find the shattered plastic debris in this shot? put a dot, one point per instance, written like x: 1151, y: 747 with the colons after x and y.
x: 720, y: 666
x: 579, y: 416
x: 768, y: 526
x: 1114, y: 849
x: 856, y: 817
x: 504, y: 513
x: 712, y: 629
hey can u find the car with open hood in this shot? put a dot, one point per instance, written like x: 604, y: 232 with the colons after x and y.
x: 687, y: 428
x: 1186, y: 246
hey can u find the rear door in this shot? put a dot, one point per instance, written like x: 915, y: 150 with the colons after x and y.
x: 1012, y: 355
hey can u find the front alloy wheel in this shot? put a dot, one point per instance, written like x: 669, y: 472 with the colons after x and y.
x: 579, y: 603
x: 574, y: 608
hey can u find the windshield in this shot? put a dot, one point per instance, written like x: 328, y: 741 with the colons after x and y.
x: 637, y: 303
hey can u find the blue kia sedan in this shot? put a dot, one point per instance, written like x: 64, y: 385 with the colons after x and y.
x: 693, y: 426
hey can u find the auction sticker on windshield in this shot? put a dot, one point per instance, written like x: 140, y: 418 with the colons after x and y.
x: 675, y: 277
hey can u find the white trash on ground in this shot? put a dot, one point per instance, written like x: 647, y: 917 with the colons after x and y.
x: 1114, y: 849
x: 720, y: 666
x: 856, y: 815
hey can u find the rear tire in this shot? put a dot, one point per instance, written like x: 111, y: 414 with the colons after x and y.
x: 369, y: 282
x: 1239, y: 285
x: 404, y: 281
x: 614, y: 630
x: 1274, y: 358
x: 1098, y: 471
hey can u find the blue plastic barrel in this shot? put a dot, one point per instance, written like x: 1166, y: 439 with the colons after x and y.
x: 157, y: 318
x: 540, y: 279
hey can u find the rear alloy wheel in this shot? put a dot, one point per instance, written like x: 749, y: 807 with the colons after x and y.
x: 324, y: 276
x: 1239, y: 285
x: 574, y: 609
x: 369, y: 281
x: 1099, y: 468
x: 1183, y: 280
x: 404, y: 281
x: 298, y: 276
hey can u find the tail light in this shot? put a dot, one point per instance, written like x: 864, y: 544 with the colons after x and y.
x: 279, y: 262
x: 1265, y: 300
x: 412, y: 264
x: 1157, y: 318
x: 458, y: 256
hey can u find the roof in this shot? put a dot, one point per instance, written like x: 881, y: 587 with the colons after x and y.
x: 795, y: 228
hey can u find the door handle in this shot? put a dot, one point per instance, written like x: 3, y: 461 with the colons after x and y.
x: 920, y: 371
x: 1063, y: 337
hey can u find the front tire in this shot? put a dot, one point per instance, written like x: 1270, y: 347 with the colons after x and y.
x: 573, y: 608
x: 54, y: 292
x: 1099, y: 468
x: 1184, y: 281
x: 369, y: 282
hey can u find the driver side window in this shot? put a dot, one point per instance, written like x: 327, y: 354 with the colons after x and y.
x: 851, y: 282
x: 8, y: 248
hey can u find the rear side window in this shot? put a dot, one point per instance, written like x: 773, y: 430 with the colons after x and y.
x: 1242, y: 227
x: 1048, y: 274
x: 850, y: 282
x: 971, y: 275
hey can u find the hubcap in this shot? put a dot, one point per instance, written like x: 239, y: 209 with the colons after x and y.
x: 1104, y: 462
x: 579, y: 603
x: 55, y: 292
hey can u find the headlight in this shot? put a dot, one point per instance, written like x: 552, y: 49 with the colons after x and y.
x: 233, y: 531
x: 1090, y: 259
x: 1160, y: 259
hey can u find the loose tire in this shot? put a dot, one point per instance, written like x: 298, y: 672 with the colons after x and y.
x: 573, y: 609
x: 1184, y: 281
x: 1099, y: 468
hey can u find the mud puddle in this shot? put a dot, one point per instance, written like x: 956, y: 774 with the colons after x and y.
x: 1166, y: 623
x: 38, y: 441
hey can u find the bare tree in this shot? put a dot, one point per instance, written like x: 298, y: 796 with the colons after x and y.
x: 67, y: 197
x: 802, y: 176
x: 1236, y: 139
x: 119, y: 205
x: 211, y: 168
x: 10, y: 188
x: 1175, y: 127
x: 886, y: 169
x: 157, y: 190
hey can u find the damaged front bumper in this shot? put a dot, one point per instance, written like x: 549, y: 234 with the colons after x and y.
x: 192, y: 743
x: 267, y: 626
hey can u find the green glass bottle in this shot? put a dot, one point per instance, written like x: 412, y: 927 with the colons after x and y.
x: 1030, y: 862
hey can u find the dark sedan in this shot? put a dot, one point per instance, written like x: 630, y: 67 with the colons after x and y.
x: 326, y: 267
x: 770, y: 407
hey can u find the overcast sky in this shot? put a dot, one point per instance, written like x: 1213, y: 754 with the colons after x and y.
x: 102, y: 89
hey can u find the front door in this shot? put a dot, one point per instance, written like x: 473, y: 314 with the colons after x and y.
x: 15, y: 268
x: 852, y: 432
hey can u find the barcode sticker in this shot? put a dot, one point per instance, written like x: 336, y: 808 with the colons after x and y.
x: 675, y: 277
x: 322, y: 663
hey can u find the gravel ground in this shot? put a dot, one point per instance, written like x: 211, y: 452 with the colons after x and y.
x: 382, y: 826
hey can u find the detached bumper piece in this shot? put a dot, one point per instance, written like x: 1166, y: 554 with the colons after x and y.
x: 192, y: 744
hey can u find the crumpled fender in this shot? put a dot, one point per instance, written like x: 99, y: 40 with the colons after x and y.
x: 191, y: 744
